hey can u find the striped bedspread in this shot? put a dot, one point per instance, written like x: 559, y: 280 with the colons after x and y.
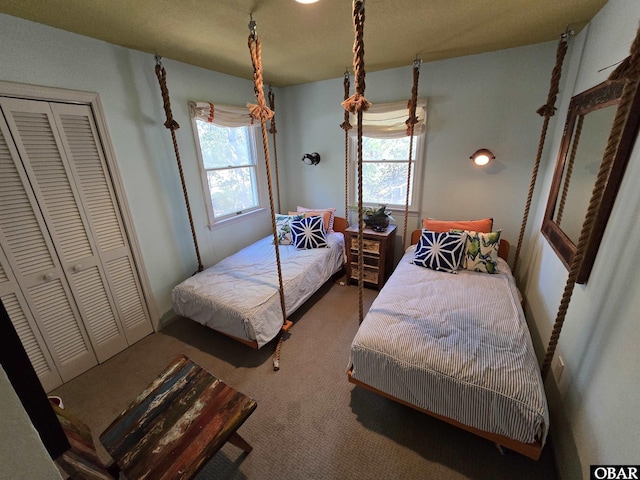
x: 239, y: 295
x: 457, y: 345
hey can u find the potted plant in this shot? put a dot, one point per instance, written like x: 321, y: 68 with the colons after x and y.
x: 377, y: 218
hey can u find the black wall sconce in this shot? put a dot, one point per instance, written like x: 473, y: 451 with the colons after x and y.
x: 311, y: 158
x: 482, y: 157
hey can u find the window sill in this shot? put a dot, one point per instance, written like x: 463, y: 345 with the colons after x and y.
x: 237, y: 218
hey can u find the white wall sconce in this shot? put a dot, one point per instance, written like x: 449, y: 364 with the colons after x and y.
x: 311, y: 158
x: 482, y: 157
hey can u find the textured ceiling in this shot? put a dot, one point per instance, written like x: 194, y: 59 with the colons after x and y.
x: 305, y: 43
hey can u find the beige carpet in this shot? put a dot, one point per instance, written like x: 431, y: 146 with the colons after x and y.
x: 310, y: 422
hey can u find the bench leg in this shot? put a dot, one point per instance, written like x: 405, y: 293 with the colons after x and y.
x: 239, y: 442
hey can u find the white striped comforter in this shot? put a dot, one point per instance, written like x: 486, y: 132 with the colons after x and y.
x: 457, y: 345
x: 239, y: 295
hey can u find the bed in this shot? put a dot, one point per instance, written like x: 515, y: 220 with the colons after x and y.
x: 457, y: 347
x: 239, y: 296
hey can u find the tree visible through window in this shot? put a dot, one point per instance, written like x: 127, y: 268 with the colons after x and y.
x: 229, y: 163
x: 385, y: 154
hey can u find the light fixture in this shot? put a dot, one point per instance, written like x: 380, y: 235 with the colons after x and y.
x: 482, y: 157
x: 306, y: 2
x: 311, y: 158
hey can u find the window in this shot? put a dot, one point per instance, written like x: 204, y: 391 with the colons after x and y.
x: 385, y: 155
x: 227, y: 151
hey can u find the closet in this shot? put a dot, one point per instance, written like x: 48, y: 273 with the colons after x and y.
x: 67, y: 273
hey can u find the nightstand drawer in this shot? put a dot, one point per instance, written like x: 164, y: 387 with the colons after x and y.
x: 370, y: 275
x: 368, y: 246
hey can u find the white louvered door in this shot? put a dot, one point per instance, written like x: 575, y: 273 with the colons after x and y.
x: 58, y: 147
x: 35, y: 287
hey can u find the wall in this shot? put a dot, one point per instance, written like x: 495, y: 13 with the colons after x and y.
x: 479, y: 101
x: 594, y: 405
x: 21, y: 450
x: 126, y: 81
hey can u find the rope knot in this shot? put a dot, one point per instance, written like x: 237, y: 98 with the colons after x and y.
x: 546, y: 110
x: 346, y: 126
x: 356, y: 103
x: 260, y: 112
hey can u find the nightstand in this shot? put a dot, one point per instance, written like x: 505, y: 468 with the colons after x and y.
x: 378, y: 250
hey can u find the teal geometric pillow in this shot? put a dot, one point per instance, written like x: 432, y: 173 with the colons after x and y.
x: 440, y: 251
x: 283, y: 227
x: 308, y: 233
x: 481, y: 252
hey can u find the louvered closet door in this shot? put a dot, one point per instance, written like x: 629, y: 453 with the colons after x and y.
x: 86, y: 160
x: 36, y: 292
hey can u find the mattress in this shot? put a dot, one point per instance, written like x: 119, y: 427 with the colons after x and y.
x: 239, y: 295
x: 457, y: 345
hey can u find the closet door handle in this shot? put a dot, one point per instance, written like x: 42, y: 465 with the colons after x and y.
x: 48, y: 277
x: 77, y: 268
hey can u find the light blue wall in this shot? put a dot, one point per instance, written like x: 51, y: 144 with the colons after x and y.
x: 594, y: 405
x: 480, y: 101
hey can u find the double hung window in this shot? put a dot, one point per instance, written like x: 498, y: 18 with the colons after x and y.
x: 226, y: 142
x: 385, y: 155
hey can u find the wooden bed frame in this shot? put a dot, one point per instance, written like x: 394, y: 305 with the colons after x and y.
x: 530, y: 450
x: 339, y: 225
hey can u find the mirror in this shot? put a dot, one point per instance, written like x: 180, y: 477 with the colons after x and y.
x: 586, y: 134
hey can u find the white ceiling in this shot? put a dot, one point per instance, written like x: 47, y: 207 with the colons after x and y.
x: 305, y: 43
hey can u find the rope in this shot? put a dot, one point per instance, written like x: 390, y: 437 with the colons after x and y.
x: 572, y: 158
x: 172, y: 125
x: 346, y: 126
x: 547, y: 111
x: 358, y: 104
x: 411, y: 123
x: 273, y: 131
x: 629, y: 70
x: 261, y: 112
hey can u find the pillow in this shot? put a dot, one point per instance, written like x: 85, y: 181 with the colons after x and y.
x: 308, y: 232
x: 325, y: 214
x: 283, y: 227
x: 483, y: 225
x: 481, y: 252
x: 332, y: 212
x: 441, y: 251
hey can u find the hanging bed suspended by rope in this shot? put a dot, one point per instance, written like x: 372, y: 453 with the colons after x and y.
x: 398, y: 350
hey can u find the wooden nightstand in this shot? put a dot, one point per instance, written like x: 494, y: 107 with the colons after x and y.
x: 377, y: 255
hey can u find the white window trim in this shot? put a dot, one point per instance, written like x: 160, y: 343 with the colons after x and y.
x: 419, y: 140
x: 228, y: 116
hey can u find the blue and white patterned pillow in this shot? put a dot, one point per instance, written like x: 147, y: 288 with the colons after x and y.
x: 308, y: 233
x: 283, y: 227
x: 440, y: 251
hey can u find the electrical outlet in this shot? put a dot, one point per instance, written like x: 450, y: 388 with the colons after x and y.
x: 558, y: 368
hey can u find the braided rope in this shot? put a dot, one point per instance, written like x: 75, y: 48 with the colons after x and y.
x: 263, y: 113
x: 358, y: 104
x: 411, y: 123
x: 273, y: 131
x: 630, y: 71
x: 172, y: 125
x: 569, y: 172
x: 346, y: 126
x: 547, y: 111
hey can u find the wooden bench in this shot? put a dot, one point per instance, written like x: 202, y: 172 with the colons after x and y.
x: 177, y: 424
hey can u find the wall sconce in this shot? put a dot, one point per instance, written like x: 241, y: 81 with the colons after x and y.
x: 311, y: 158
x: 482, y: 157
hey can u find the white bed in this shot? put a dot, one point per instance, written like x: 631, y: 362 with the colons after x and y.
x: 239, y: 295
x: 455, y: 346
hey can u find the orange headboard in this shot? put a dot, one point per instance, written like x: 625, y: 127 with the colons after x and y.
x: 503, y: 248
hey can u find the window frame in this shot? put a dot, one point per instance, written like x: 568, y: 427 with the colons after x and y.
x: 254, y: 153
x: 419, y: 141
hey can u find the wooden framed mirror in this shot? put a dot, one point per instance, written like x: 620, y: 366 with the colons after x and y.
x: 586, y: 134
